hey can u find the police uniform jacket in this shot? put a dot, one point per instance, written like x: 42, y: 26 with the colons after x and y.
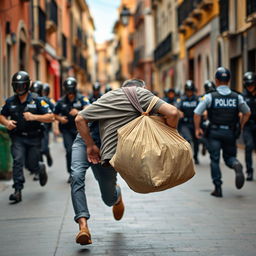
x: 187, y: 106
x: 14, y: 109
x: 223, y: 106
x: 251, y: 101
x: 64, y: 106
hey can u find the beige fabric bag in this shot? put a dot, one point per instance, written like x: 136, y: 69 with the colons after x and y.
x: 151, y: 156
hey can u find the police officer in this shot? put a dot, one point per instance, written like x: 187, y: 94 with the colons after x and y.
x: 169, y: 96
x: 96, y: 94
x: 108, y: 88
x: 37, y: 88
x: 209, y: 86
x: 186, y: 104
x: 65, y: 112
x: 249, y: 131
x: 26, y: 113
x: 45, y: 141
x: 223, y: 107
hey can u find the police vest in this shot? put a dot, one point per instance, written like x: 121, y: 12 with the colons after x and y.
x: 251, y: 101
x: 224, y: 109
x: 16, y: 113
x: 66, y: 107
x: 187, y: 107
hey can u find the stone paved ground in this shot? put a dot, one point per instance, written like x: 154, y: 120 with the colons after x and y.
x: 183, y: 221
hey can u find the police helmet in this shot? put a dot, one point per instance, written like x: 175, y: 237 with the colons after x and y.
x: 108, y: 88
x: 96, y: 86
x: 222, y: 74
x: 46, y: 89
x: 190, y: 86
x: 37, y: 87
x: 209, y: 86
x: 20, y: 82
x: 249, y: 79
x: 70, y: 85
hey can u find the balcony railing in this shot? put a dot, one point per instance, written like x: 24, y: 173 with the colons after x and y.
x: 42, y: 25
x: 163, y: 48
x: 188, y: 6
x: 224, y: 17
x: 250, y: 7
x: 64, y: 46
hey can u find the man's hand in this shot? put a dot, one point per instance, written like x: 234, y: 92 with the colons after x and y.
x: 73, y: 112
x: 11, y: 124
x: 29, y: 116
x: 93, y: 154
x: 199, y: 133
x: 63, y: 119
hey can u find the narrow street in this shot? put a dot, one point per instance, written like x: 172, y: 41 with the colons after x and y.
x: 184, y: 220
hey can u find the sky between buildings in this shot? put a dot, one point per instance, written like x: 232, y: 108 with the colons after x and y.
x: 104, y: 13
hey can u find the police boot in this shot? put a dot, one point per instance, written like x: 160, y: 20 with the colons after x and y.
x: 239, y: 181
x: 16, y: 196
x: 49, y: 159
x: 42, y: 174
x: 217, y: 192
x: 249, y: 175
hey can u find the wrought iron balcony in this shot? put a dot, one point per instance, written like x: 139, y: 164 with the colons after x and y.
x: 163, y: 48
x: 192, y: 8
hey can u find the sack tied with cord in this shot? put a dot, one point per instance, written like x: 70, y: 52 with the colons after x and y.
x: 150, y: 155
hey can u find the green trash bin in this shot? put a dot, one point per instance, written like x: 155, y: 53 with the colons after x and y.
x: 5, y: 154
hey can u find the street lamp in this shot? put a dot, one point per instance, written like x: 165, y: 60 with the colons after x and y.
x: 125, y: 15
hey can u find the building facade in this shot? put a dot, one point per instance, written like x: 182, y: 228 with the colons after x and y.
x: 50, y: 39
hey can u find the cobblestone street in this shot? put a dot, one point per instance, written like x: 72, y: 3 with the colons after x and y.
x: 181, y: 221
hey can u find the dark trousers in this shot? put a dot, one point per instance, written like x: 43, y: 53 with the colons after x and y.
x: 221, y: 139
x: 188, y: 132
x: 68, y: 139
x: 21, y: 148
x: 45, y: 142
x: 249, y: 134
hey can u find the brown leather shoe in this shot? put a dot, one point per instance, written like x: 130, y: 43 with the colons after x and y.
x: 118, y: 209
x: 83, y: 237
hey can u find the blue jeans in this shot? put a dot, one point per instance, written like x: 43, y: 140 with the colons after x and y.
x: 106, y: 178
x: 221, y: 139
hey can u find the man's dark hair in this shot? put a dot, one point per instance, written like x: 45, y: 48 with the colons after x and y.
x: 134, y: 82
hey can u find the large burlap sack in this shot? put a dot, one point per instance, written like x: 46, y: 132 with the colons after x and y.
x: 151, y: 156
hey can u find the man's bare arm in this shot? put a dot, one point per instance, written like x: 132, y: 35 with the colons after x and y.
x: 93, y: 152
x: 170, y: 113
x: 244, y: 118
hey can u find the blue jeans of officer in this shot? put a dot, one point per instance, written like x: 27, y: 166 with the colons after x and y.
x: 21, y: 147
x: 105, y: 176
x: 221, y: 139
x: 188, y: 132
x: 68, y: 139
x: 249, y: 134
